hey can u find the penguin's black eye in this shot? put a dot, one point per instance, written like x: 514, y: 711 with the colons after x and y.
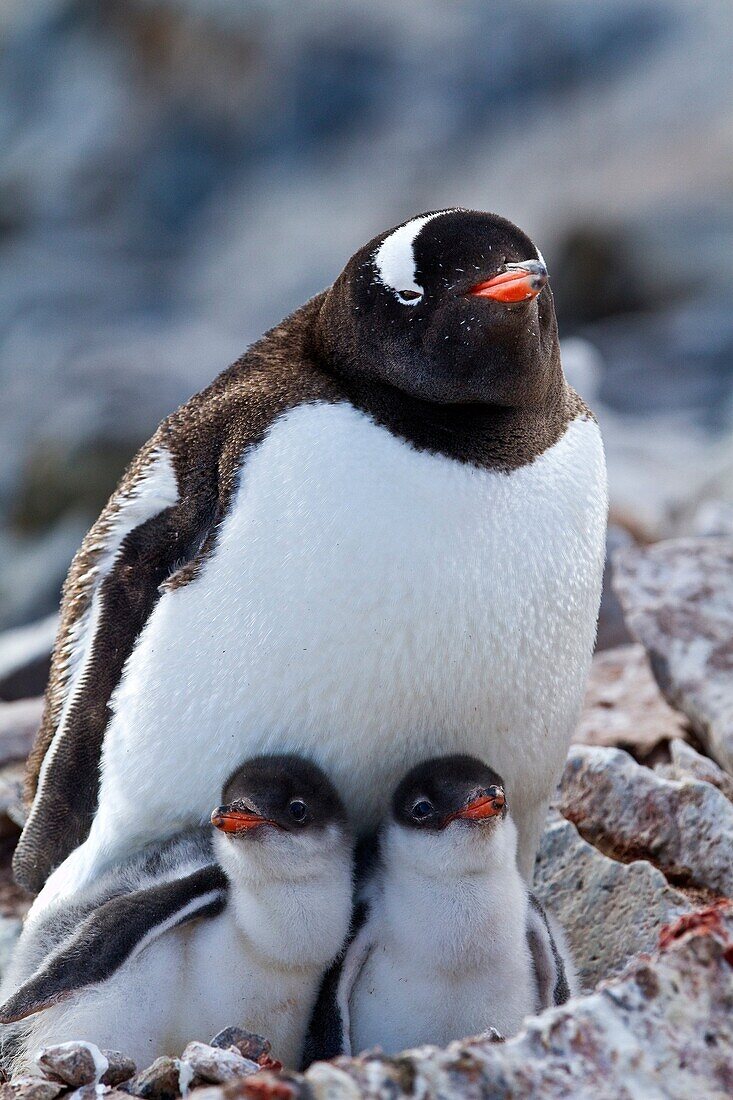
x: 422, y: 809
x: 298, y: 809
x: 408, y: 295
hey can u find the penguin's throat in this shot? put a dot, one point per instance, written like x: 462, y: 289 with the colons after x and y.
x: 502, y: 437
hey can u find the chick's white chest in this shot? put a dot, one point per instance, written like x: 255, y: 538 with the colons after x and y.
x: 436, y: 988
x: 225, y: 979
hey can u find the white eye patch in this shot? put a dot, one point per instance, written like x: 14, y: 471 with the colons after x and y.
x: 394, y: 260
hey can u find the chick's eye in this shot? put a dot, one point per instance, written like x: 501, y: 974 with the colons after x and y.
x: 297, y: 809
x: 422, y: 809
x: 409, y: 295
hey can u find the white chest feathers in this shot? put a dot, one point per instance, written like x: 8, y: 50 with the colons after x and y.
x: 366, y: 605
x: 447, y: 951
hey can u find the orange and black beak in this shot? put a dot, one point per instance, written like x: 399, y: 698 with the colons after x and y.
x: 486, y: 804
x: 236, y: 818
x: 516, y: 283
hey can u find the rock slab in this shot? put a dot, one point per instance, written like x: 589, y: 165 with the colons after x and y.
x: 609, y: 911
x: 623, y: 704
x: 685, y: 828
x: 687, y: 763
x: 678, y: 602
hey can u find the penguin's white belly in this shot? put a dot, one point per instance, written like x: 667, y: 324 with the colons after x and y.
x: 188, y: 984
x: 396, y: 1005
x: 367, y: 605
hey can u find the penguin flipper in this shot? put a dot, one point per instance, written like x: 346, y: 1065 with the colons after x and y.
x: 329, y: 1028
x: 552, y: 966
x: 157, y: 518
x: 112, y: 934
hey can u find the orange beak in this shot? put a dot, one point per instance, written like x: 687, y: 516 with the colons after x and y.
x: 230, y: 819
x: 516, y: 283
x: 488, y: 804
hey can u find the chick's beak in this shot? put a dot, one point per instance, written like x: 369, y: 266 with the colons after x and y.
x: 236, y: 819
x: 489, y: 803
x: 516, y: 283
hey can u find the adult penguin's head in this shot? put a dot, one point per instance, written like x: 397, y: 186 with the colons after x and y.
x: 453, y: 307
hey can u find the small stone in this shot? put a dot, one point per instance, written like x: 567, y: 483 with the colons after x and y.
x: 31, y: 1088
x: 624, y: 706
x: 216, y: 1065
x: 120, y: 1068
x: 85, y: 1092
x: 268, y: 1086
x: 688, y: 763
x: 158, y: 1082
x: 684, y: 828
x: 74, y: 1063
x: 609, y: 911
x: 247, y: 1043
x: 678, y: 602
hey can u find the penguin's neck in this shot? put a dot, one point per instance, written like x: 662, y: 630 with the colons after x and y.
x: 295, y: 920
x: 488, y: 436
x: 452, y: 915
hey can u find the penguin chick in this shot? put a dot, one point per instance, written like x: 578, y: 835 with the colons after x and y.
x: 140, y: 973
x: 452, y: 942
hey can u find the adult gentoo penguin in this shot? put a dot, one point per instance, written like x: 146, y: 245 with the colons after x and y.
x: 181, y: 941
x: 451, y: 941
x: 382, y: 526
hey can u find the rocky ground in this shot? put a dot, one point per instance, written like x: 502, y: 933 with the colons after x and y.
x: 636, y: 863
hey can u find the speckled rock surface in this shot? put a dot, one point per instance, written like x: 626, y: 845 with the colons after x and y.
x: 685, y: 828
x: 30, y: 1088
x: 688, y: 763
x: 159, y: 1081
x: 119, y: 1068
x: 247, y: 1043
x: 623, y: 704
x: 610, y: 911
x: 678, y: 601
x: 217, y: 1065
x: 73, y: 1063
x: 661, y: 1031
